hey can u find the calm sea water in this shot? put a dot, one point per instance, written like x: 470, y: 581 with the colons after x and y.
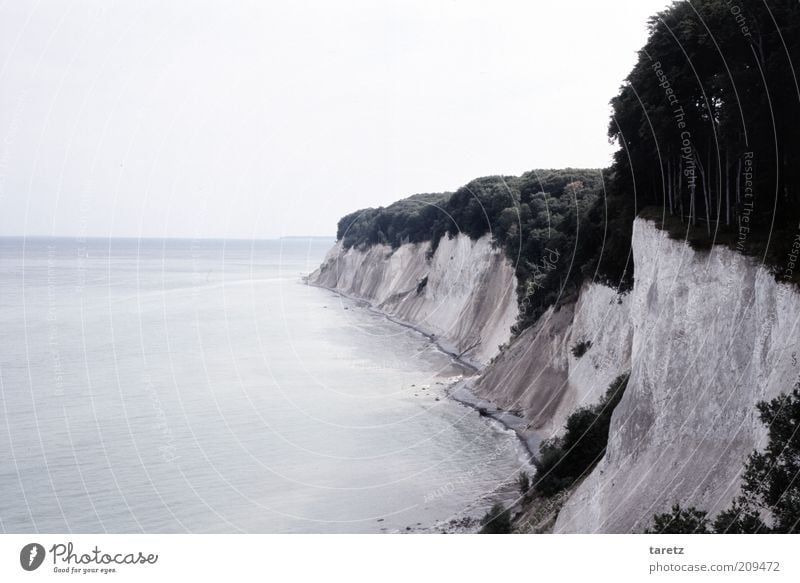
x: 177, y: 385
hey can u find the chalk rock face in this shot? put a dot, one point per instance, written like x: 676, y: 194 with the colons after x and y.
x: 541, y: 377
x: 706, y: 336
x: 713, y: 334
x: 464, y: 293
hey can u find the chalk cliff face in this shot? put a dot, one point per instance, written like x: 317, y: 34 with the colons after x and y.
x: 713, y: 334
x: 541, y: 378
x: 706, y: 335
x: 464, y: 293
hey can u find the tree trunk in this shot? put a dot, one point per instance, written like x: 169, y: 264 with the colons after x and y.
x: 727, y: 192
x: 705, y: 193
x: 680, y: 186
x: 669, y: 186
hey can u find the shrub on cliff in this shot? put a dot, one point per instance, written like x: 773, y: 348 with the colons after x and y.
x: 581, y: 348
x: 740, y: 518
x: 524, y: 485
x: 565, y: 459
x: 497, y: 520
x: 771, y: 479
x: 680, y: 521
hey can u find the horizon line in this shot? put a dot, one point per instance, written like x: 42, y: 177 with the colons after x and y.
x: 167, y: 237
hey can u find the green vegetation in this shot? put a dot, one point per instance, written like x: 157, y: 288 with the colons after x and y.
x: 707, y: 126
x: 770, y: 484
x: 548, y: 222
x: 567, y: 458
x: 680, y: 521
x: 524, y: 484
x: 580, y: 348
x: 496, y: 521
x: 411, y: 220
x: 421, y: 284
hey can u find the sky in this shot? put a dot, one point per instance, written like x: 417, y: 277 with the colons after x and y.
x: 276, y: 117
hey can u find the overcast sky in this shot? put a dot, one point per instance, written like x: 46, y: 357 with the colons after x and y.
x: 276, y: 117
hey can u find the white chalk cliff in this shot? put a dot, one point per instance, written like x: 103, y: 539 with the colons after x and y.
x: 713, y: 334
x: 706, y: 335
x: 539, y: 377
x: 464, y: 293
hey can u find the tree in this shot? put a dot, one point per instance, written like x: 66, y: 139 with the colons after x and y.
x: 497, y: 520
x: 770, y: 483
x: 680, y: 521
x: 524, y: 484
x: 714, y: 86
x: 536, y: 217
x: 565, y: 459
x: 740, y: 518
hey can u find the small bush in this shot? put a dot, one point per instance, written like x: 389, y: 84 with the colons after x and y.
x: 740, y: 518
x: 564, y: 459
x: 680, y: 521
x: 581, y: 348
x: 421, y: 284
x: 524, y: 484
x: 497, y: 520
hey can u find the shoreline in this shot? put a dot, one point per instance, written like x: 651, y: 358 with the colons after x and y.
x: 458, y: 358
x: 460, y: 391
x: 466, y: 521
x: 530, y: 440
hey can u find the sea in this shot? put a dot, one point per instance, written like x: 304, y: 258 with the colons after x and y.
x: 195, y: 385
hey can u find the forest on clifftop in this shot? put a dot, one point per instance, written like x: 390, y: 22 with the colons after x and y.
x: 708, y: 129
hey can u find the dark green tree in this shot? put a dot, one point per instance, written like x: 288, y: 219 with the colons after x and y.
x: 680, y: 521
x: 565, y: 459
x: 741, y: 518
x: 770, y: 483
x: 524, y: 484
x: 497, y: 520
x: 714, y: 88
